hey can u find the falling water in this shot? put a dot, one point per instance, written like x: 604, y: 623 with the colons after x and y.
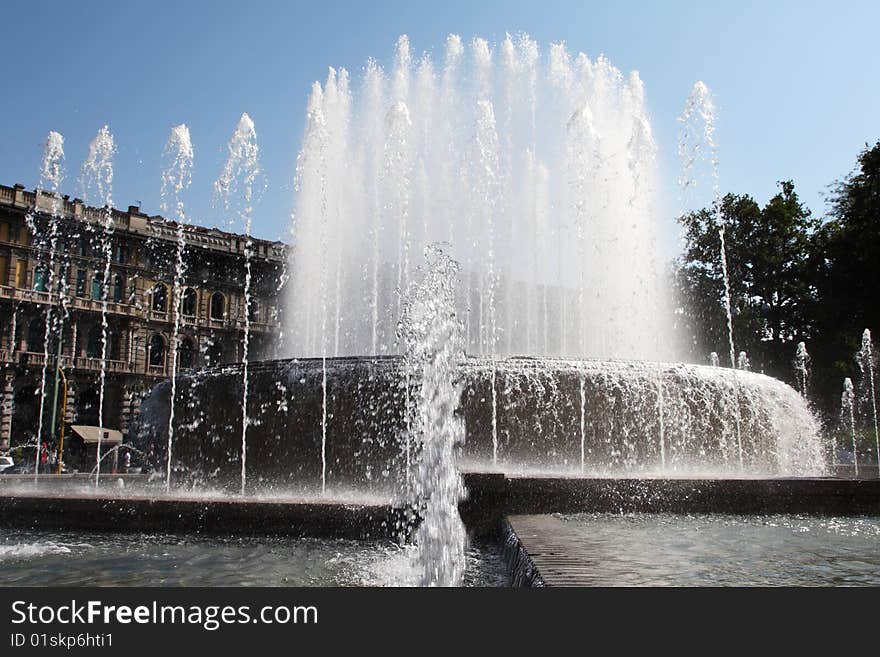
x: 865, y: 358
x: 523, y: 150
x: 802, y: 368
x: 51, y: 176
x: 176, y: 177
x: 698, y: 153
x: 235, y: 187
x: 96, y: 180
x: 848, y: 417
x: 723, y: 249
x: 430, y: 332
x: 583, y: 420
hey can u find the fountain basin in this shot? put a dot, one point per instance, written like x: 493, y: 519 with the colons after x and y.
x: 601, y: 418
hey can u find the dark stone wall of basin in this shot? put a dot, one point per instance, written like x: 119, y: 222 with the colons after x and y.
x: 364, y: 447
x: 227, y: 516
x: 626, y: 418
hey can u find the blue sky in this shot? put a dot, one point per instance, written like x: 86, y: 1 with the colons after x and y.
x: 796, y: 82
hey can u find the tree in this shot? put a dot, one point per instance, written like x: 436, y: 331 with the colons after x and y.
x: 772, y: 291
x: 847, y: 263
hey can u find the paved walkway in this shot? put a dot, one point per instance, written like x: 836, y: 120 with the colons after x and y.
x: 553, y: 550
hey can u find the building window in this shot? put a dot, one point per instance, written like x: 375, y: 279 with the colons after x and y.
x: 118, y: 288
x: 113, y: 350
x: 35, y: 334
x: 157, y: 351
x: 189, y: 302
x: 186, y: 354
x: 218, y: 302
x: 85, y: 248
x: 214, y: 354
x: 20, y: 273
x: 253, y: 310
x: 80, y: 282
x: 93, y: 342
x: 120, y: 254
x: 41, y: 278
x: 97, y: 286
x: 160, y: 297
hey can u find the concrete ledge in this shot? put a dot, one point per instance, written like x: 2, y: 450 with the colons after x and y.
x: 491, y: 497
x: 203, y: 516
x: 814, y: 496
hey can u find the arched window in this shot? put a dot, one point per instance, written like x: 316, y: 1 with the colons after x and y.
x: 118, y: 288
x: 156, y: 356
x: 41, y: 278
x: 186, y: 354
x: 214, y: 354
x: 218, y: 302
x: 188, y: 307
x: 35, y: 334
x: 93, y: 342
x: 160, y: 297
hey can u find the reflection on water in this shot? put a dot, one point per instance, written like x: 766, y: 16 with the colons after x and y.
x: 722, y: 550
x: 67, y: 558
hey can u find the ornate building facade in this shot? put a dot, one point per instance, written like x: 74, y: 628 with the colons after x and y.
x: 53, y: 255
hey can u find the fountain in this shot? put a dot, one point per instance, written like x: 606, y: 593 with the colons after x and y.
x: 579, y: 378
x: 848, y: 418
x: 97, y: 179
x: 176, y: 177
x: 46, y: 239
x: 240, y: 174
x: 534, y: 345
x: 865, y: 360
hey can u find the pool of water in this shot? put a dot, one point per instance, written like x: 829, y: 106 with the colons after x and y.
x: 726, y: 550
x: 68, y: 558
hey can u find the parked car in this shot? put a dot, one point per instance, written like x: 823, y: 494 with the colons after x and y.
x: 6, y: 462
x: 20, y: 468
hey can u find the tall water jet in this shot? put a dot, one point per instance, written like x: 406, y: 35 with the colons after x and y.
x: 430, y: 332
x: 865, y: 359
x: 698, y: 153
x: 500, y: 182
x: 802, y: 368
x: 848, y: 418
x: 96, y: 180
x: 176, y: 177
x: 727, y: 308
x: 51, y: 177
x: 235, y: 188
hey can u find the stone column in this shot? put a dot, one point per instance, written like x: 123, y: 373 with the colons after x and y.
x: 70, y: 406
x: 7, y: 406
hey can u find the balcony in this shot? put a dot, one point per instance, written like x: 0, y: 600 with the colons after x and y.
x: 78, y: 303
x: 24, y: 294
x: 96, y: 305
x: 113, y: 366
x: 155, y: 370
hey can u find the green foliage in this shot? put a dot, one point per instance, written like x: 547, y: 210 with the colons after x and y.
x: 792, y: 278
x: 772, y: 294
x: 847, y: 265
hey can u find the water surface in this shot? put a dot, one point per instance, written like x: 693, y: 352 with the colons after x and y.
x: 726, y: 550
x: 75, y: 558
